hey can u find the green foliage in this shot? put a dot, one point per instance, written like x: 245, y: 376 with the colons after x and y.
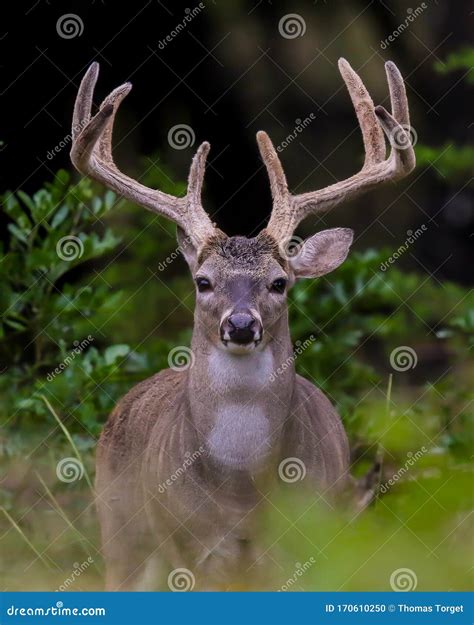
x: 460, y: 60
x: 54, y: 310
x: 448, y: 162
x: 451, y: 162
x: 360, y: 314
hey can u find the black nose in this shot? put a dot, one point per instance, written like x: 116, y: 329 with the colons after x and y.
x: 241, y: 327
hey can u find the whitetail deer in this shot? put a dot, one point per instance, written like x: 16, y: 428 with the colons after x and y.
x: 230, y: 405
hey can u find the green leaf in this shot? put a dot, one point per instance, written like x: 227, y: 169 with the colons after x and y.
x: 19, y: 234
x: 114, y: 352
x: 60, y: 216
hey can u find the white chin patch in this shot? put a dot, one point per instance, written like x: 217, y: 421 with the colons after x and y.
x: 238, y: 348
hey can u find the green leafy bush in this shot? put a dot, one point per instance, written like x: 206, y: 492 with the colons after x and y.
x: 54, y: 307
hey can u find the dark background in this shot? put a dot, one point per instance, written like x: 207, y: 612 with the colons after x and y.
x: 230, y: 73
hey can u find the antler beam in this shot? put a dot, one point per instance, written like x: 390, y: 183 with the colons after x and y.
x: 289, y: 210
x: 91, y: 154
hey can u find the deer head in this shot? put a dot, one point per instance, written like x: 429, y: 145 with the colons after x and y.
x: 242, y: 283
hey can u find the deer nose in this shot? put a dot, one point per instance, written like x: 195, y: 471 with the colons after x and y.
x: 241, y: 327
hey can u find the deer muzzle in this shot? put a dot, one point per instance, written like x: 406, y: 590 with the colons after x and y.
x: 242, y: 328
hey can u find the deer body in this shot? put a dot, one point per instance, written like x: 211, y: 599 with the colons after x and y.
x: 204, y: 521
x: 188, y: 457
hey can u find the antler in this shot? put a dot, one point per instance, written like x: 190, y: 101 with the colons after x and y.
x: 289, y: 210
x: 91, y: 154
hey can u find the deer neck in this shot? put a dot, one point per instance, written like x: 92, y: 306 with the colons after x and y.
x: 238, y: 403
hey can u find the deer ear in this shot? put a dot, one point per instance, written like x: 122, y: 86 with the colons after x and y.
x: 187, y: 248
x: 322, y: 253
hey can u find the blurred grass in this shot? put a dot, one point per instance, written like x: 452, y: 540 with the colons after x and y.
x: 423, y: 522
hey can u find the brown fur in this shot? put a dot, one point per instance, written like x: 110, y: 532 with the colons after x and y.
x: 204, y: 521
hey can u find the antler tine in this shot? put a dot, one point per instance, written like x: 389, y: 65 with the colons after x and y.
x: 398, y: 96
x: 278, y: 184
x: 372, y: 134
x: 194, y: 216
x: 376, y: 169
x: 83, y: 103
x: 91, y: 154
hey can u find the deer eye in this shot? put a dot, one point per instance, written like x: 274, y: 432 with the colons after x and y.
x: 203, y: 285
x: 278, y: 285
